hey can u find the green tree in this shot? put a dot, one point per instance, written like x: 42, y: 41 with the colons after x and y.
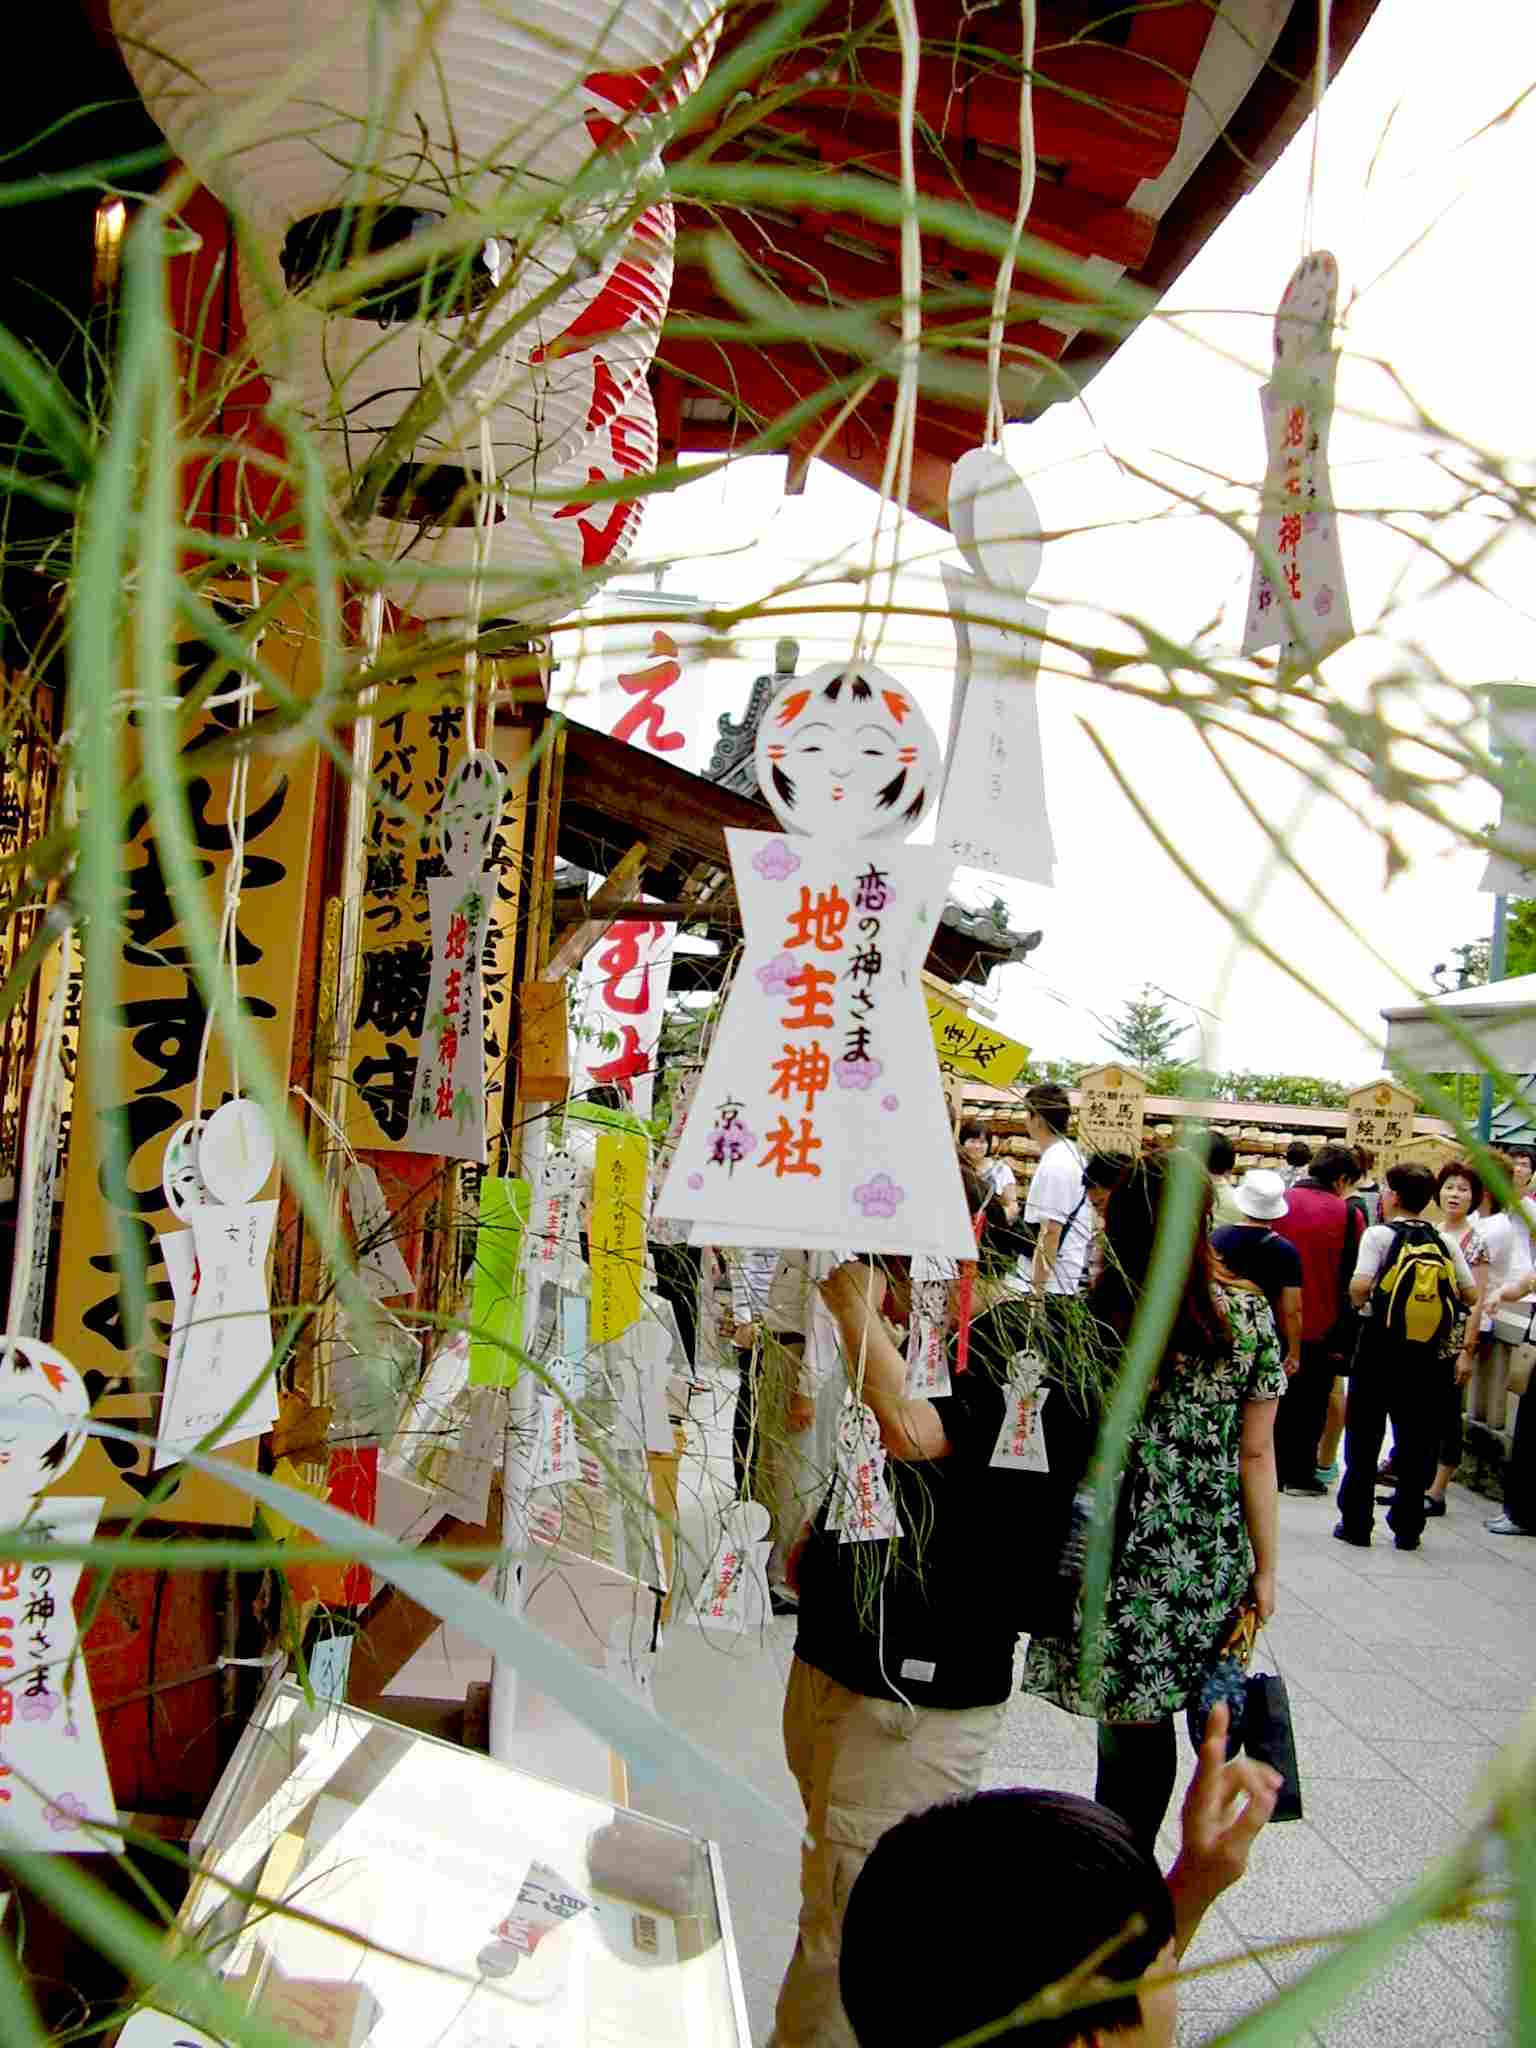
x: 1145, y: 1032
x: 1470, y: 962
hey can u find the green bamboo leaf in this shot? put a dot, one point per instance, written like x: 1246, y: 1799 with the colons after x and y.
x: 45, y: 405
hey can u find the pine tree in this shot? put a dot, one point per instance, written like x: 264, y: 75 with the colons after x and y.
x: 1145, y: 1032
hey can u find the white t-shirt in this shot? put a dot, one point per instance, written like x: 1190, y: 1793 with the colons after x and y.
x: 998, y: 1175
x: 1057, y: 1194
x: 1376, y: 1245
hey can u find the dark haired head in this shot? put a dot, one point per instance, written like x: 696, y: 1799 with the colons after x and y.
x: 1096, y: 1885
x: 1049, y: 1101
x: 1220, y: 1153
x: 1458, y: 1169
x: 1333, y: 1165
x: 1131, y: 1217
x: 970, y: 1129
x: 1298, y: 1153
x: 1105, y: 1169
x: 1413, y: 1185
x: 1367, y: 1159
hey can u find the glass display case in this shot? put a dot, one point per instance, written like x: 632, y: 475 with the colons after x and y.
x: 415, y: 1892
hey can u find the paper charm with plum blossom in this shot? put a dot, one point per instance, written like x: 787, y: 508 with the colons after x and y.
x: 1298, y: 600
x: 820, y: 1115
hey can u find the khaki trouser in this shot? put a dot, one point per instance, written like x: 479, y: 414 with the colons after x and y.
x: 861, y: 1765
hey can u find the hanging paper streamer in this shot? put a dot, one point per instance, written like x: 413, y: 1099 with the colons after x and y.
x: 819, y: 1119
x: 448, y: 1099
x: 1298, y: 600
x: 620, y: 1002
x: 616, y: 1233
x: 992, y: 813
x: 380, y: 1262
x: 734, y: 1596
x: 926, y: 1354
x: 862, y: 1509
x: 1020, y: 1445
x: 496, y: 1307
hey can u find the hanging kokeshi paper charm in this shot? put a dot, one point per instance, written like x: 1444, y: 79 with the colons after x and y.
x: 1298, y: 600
x: 992, y: 813
x: 819, y: 1118
x: 448, y: 1099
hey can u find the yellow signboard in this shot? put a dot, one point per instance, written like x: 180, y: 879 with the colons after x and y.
x: 157, y: 1033
x: 1381, y: 1117
x: 616, y: 1232
x: 1111, y: 1109
x: 966, y: 1047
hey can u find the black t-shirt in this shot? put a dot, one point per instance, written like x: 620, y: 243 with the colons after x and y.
x: 1266, y: 1258
x: 933, y: 1616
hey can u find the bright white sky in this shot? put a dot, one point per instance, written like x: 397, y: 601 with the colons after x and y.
x: 1424, y: 221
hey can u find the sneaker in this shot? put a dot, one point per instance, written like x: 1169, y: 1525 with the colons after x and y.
x: 1433, y: 1505
x: 1385, y: 1500
x: 1501, y: 1525
x: 1325, y: 1475
x: 1406, y: 1542
x: 1342, y: 1535
x: 1312, y: 1486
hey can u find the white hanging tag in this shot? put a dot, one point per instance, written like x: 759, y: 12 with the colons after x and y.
x: 379, y: 1258
x: 1020, y: 1443
x: 557, y: 1455
x: 869, y: 1512
x: 927, y: 1358
x: 734, y: 1596
x: 229, y: 1337
x: 550, y: 1238
x: 43, y: 1407
x: 236, y: 1152
x: 465, y: 1472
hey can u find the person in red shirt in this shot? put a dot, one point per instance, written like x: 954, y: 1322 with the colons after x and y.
x: 1327, y: 1235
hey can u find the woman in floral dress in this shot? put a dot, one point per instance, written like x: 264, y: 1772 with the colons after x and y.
x: 1195, y: 1523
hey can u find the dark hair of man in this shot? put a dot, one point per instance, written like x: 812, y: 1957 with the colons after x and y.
x: 1334, y: 1163
x: 1458, y: 1169
x: 1097, y: 1884
x: 1414, y: 1186
x: 1049, y: 1101
x: 1131, y: 1218
x: 1105, y: 1169
x: 970, y: 1129
x: 1298, y: 1153
x: 1220, y: 1153
x: 1367, y: 1159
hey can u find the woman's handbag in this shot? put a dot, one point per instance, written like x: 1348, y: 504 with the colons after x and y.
x: 1259, y: 1708
x: 1521, y: 1358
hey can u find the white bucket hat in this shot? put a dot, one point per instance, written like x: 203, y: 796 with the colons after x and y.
x: 1261, y: 1195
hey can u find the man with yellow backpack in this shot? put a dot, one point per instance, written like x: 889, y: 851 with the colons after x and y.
x: 1408, y: 1279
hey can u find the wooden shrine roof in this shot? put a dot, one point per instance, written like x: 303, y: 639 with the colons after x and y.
x: 1136, y: 170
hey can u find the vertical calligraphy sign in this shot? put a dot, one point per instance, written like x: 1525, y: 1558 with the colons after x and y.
x: 24, y: 782
x: 1381, y: 1116
x: 819, y: 1118
x: 1298, y: 599
x: 157, y: 1033
x: 621, y: 999
x: 1111, y: 1109
x: 414, y: 754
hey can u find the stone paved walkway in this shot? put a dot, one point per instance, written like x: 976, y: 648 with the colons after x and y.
x: 1405, y: 1672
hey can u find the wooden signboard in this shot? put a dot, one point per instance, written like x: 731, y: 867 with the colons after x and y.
x: 1431, y: 1152
x: 157, y: 1033
x: 1111, y: 1108
x: 415, y: 751
x: 1381, y: 1116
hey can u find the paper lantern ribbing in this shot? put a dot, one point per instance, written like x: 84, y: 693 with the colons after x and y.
x: 846, y: 752
x: 544, y: 552
x: 564, y: 372
x: 492, y: 99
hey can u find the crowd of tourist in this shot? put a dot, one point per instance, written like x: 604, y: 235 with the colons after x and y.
x: 1301, y: 1314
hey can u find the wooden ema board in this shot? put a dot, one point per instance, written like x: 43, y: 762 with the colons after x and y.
x: 157, y: 1032
x: 1381, y: 1116
x: 1111, y: 1109
x: 415, y: 752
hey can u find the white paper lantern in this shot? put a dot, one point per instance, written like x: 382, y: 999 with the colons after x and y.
x: 564, y: 373
x: 490, y: 99
x: 544, y: 553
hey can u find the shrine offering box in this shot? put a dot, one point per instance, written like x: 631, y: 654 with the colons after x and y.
x: 411, y: 1891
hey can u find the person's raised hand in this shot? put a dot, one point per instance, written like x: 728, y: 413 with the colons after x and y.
x: 1224, y: 1809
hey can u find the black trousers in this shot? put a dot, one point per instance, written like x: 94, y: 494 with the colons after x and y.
x: 1412, y: 1395
x: 1303, y: 1415
x: 1520, y: 1472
